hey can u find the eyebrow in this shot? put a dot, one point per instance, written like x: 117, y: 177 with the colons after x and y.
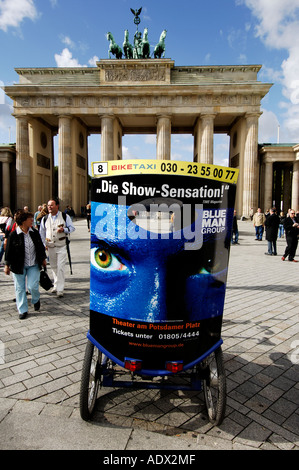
x: 111, y: 246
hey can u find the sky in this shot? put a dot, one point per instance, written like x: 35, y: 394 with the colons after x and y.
x: 71, y: 33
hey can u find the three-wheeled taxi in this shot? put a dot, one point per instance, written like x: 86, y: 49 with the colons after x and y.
x: 160, y: 241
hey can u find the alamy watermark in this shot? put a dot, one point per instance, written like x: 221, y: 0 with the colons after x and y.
x: 153, y: 219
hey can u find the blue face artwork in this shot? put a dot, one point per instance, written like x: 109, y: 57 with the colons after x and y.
x: 150, y: 278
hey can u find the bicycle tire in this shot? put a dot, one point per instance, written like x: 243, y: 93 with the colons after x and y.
x: 214, y: 387
x: 90, y: 380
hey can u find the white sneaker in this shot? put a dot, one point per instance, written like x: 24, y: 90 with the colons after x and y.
x: 59, y: 294
x: 53, y: 291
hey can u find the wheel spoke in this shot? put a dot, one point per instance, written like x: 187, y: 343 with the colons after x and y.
x: 215, y: 387
x: 90, y: 381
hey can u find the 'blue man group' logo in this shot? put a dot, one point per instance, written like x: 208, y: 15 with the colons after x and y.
x: 153, y: 266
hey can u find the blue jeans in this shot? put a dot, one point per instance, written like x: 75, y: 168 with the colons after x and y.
x: 272, y: 248
x: 1, y: 248
x: 259, y: 230
x: 33, y: 274
x: 235, y: 237
x: 280, y: 231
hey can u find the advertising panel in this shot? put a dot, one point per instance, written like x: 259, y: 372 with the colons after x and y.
x: 160, y: 241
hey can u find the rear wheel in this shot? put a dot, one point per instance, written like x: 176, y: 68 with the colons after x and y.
x: 90, y: 380
x: 214, y: 386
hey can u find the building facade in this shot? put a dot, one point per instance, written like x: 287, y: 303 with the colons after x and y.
x: 279, y: 176
x: 134, y: 96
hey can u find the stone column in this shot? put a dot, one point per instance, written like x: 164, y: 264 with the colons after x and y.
x: 107, y: 140
x: 6, y: 183
x: 295, y: 186
x: 65, y: 162
x: 163, y: 149
x: 268, y: 185
x: 251, y: 168
x: 207, y: 139
x: 197, y: 141
x: 23, y: 166
x: 287, y: 198
x: 278, y: 187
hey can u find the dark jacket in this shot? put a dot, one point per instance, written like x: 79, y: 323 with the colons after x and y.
x: 235, y: 224
x: 272, y: 224
x: 15, y: 250
x: 291, y: 231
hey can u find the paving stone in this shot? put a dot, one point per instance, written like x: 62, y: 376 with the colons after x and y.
x: 41, y: 373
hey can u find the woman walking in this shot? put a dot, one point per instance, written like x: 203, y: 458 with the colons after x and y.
x: 24, y: 256
x: 5, y: 221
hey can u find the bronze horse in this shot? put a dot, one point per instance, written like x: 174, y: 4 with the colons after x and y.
x: 145, y: 45
x: 113, y: 47
x: 159, y: 50
x: 127, y: 47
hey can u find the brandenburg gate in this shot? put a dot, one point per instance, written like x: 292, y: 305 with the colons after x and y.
x: 131, y: 96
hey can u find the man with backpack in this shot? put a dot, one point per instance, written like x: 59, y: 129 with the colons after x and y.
x: 54, y: 231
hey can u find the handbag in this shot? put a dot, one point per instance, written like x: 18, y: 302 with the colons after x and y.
x: 44, y: 280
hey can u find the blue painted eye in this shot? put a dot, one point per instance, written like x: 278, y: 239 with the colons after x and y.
x: 104, y: 260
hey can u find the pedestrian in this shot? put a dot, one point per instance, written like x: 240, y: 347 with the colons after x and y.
x: 280, y: 228
x: 43, y: 212
x: 24, y: 256
x: 36, y: 222
x: 272, y: 224
x: 11, y: 227
x: 251, y: 213
x: 6, y: 218
x: 88, y: 215
x: 54, y: 230
x: 258, y: 222
x: 70, y: 211
x: 235, y: 231
x: 291, y: 227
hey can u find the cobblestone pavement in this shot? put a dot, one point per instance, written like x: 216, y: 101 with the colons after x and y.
x: 41, y: 362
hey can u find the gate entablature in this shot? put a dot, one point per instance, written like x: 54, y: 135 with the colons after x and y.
x: 139, y: 88
x: 133, y: 96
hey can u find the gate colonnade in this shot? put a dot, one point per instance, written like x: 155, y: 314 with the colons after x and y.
x: 119, y: 97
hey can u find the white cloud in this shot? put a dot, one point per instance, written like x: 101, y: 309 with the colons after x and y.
x: 7, y: 123
x: 13, y: 12
x: 221, y: 149
x: 65, y: 59
x: 2, y: 94
x: 277, y: 27
x: 268, y: 127
x: 242, y: 58
x: 277, y: 21
x: 125, y: 152
x: 268, y: 73
x: 67, y: 41
x: 93, y: 61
